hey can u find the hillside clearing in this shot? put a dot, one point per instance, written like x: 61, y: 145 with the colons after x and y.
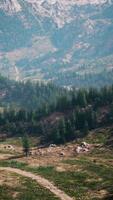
x: 84, y: 176
x: 14, y: 186
x: 42, y: 181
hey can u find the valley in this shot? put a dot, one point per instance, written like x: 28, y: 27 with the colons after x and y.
x: 56, y: 100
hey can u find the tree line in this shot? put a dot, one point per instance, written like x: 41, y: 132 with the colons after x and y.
x: 80, y: 109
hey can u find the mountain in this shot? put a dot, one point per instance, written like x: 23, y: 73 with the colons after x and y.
x: 67, y: 42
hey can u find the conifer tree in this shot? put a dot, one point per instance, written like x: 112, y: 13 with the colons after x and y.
x: 26, y: 144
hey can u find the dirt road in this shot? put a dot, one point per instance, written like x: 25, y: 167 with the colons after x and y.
x: 40, y: 180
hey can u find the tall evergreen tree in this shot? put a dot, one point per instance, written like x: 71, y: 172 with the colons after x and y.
x: 26, y: 144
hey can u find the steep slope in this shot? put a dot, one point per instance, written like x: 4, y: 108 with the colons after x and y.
x: 56, y: 40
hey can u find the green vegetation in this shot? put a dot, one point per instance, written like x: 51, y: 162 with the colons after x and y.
x: 27, y: 190
x: 26, y: 144
x: 13, y: 164
x: 92, y: 75
x: 78, y: 111
x: 17, y: 141
x: 90, y: 176
x: 86, y: 177
x: 28, y: 96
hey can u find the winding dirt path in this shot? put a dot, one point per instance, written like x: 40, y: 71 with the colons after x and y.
x: 42, y: 181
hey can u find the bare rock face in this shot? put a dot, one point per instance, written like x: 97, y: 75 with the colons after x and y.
x: 60, y: 11
x: 10, y: 6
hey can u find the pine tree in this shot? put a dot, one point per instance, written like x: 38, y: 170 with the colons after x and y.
x: 81, y: 98
x: 57, y: 137
x: 26, y: 144
x: 86, y: 128
x: 62, y: 129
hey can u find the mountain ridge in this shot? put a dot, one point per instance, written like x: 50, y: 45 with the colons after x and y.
x: 49, y: 40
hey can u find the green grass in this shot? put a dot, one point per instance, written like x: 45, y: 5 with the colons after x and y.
x: 27, y: 190
x: 13, y: 164
x: 96, y: 170
x: 70, y: 182
x: 90, y: 176
x: 91, y: 173
x: 102, y: 154
x: 5, y: 193
x: 12, y: 141
x: 17, y: 141
x: 98, y: 137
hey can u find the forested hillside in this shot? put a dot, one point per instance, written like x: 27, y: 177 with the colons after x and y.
x: 57, y: 115
x: 28, y: 95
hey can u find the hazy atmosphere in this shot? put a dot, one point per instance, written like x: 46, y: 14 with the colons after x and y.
x: 56, y: 99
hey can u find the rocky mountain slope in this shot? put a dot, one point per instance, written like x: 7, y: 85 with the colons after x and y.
x: 58, y: 40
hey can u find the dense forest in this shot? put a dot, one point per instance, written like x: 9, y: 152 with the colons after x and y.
x: 30, y: 96
x: 85, y: 79
x: 54, y: 114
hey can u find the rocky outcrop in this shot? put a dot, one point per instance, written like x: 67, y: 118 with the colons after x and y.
x: 10, y: 6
